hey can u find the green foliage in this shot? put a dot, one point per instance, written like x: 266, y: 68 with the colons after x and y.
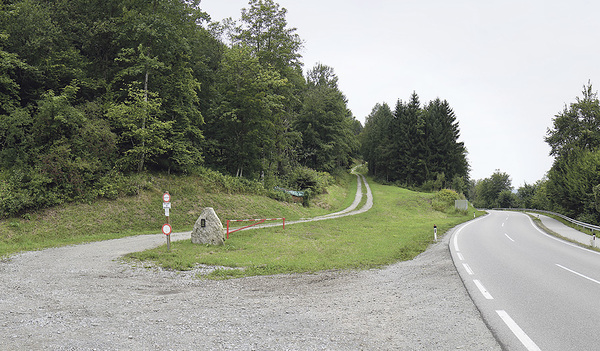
x: 304, y: 178
x: 490, y: 191
x: 115, y: 184
x: 243, y: 124
x: 325, y: 123
x: 16, y: 139
x: 576, y: 127
x: 375, y: 142
x: 142, y: 134
x: 415, y: 146
x: 572, y: 182
x: 10, y: 67
x: 279, y: 195
x: 21, y: 190
x: 53, y: 154
x: 443, y: 200
x: 507, y: 199
x: 93, y: 92
x: 214, y: 181
x: 264, y: 28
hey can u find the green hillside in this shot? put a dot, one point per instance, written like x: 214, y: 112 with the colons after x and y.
x: 104, y: 219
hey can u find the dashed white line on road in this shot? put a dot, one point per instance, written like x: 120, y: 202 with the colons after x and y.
x: 481, y: 288
x: 579, y: 274
x: 468, y: 269
x: 509, y: 238
x: 519, y: 333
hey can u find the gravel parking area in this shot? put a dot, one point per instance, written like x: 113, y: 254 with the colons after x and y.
x: 84, y: 298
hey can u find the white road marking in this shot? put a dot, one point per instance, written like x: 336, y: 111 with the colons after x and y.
x: 459, y: 230
x: 456, y: 239
x: 560, y: 240
x: 519, y: 333
x: 468, y: 269
x: 503, y: 224
x: 460, y: 256
x: 481, y: 288
x: 511, y: 239
x: 579, y: 274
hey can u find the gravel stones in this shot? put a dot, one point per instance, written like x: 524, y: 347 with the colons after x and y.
x: 84, y: 298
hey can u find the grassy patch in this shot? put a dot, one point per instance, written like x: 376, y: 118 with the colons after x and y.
x: 143, y: 214
x: 398, y: 227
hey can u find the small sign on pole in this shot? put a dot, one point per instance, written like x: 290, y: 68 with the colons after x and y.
x: 166, y: 207
x: 166, y: 229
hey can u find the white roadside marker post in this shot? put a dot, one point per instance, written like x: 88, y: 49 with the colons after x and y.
x: 435, y: 233
x: 166, y: 229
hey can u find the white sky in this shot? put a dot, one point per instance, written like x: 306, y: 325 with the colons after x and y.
x: 506, y: 67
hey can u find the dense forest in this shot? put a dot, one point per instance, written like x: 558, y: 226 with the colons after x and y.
x: 92, y: 91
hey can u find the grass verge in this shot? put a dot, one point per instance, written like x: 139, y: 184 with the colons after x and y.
x: 398, y: 227
x: 541, y: 225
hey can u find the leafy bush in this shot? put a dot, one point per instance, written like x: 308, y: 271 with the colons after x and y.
x: 443, y: 200
x: 304, y: 178
x: 116, y: 184
x: 215, y: 181
x: 279, y: 195
x: 25, y: 189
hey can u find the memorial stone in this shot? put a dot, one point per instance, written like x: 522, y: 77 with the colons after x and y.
x: 208, y: 229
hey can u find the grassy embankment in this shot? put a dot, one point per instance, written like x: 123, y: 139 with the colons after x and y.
x: 398, y: 227
x: 143, y: 214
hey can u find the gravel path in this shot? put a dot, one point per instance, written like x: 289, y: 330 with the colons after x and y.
x: 84, y: 298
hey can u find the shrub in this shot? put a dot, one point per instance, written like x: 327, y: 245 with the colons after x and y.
x: 304, y: 178
x: 279, y: 195
x: 443, y: 200
x: 214, y: 181
x: 115, y: 184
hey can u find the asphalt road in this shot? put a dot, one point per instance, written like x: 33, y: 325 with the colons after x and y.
x: 534, y: 291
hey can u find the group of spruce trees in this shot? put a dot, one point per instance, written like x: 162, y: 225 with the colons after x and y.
x: 416, y: 146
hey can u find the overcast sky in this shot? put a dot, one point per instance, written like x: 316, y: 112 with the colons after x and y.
x: 505, y: 67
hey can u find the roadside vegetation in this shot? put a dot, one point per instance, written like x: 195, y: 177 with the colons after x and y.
x: 142, y: 213
x: 572, y: 185
x: 541, y: 225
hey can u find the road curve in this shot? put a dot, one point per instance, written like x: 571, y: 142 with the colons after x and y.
x: 536, y: 292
